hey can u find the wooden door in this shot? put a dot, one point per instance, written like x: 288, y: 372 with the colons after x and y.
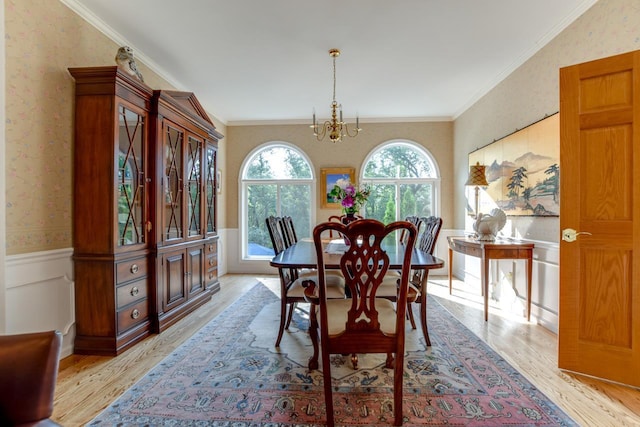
x: 195, y: 276
x: 599, y: 327
x: 174, y: 282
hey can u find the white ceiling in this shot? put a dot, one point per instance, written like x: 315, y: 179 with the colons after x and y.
x: 250, y: 61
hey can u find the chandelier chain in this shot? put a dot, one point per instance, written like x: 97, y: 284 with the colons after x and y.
x: 334, y: 79
x: 335, y: 128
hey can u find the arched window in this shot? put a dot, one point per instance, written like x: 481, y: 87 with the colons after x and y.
x: 277, y: 179
x: 404, y: 180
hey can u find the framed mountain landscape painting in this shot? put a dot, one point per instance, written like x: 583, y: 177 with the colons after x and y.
x: 523, y: 170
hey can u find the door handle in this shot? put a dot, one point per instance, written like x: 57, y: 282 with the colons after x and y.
x: 570, y: 235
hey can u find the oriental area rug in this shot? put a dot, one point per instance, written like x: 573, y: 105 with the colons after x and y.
x: 230, y: 374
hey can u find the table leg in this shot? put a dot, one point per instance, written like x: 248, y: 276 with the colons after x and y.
x: 423, y: 307
x: 484, y: 278
x: 529, y: 274
x: 450, y: 269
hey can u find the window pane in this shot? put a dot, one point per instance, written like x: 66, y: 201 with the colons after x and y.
x: 399, y: 161
x: 381, y: 204
x: 278, y: 163
x: 294, y: 202
x: 261, y: 202
x: 416, y: 199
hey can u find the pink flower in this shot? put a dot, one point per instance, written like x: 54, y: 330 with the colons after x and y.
x: 347, y: 202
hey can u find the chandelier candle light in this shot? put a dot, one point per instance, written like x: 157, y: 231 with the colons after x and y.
x: 336, y: 129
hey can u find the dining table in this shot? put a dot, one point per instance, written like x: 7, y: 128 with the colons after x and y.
x: 302, y: 255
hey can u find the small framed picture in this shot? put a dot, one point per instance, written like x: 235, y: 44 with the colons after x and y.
x: 219, y: 181
x: 328, y: 178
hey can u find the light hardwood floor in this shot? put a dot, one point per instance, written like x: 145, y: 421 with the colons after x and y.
x: 88, y: 384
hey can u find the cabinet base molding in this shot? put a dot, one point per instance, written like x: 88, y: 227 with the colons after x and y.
x: 165, y: 320
x: 109, y: 346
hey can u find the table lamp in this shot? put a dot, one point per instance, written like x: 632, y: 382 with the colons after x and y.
x: 478, y: 179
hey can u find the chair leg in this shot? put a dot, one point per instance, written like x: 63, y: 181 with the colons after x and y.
x: 354, y: 361
x: 313, y: 334
x: 397, y: 389
x: 283, y: 316
x: 292, y: 307
x: 328, y: 392
x: 423, y: 320
x: 410, y: 314
x: 389, y: 362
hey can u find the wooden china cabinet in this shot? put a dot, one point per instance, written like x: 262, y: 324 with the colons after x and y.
x: 185, y: 239
x: 144, y: 226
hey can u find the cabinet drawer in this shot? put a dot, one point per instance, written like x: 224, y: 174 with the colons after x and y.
x: 212, y: 247
x: 133, y: 315
x: 212, y: 261
x: 126, y: 294
x: 212, y: 275
x: 129, y: 270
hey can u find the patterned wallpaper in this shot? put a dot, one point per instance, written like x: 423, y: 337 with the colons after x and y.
x: 43, y: 38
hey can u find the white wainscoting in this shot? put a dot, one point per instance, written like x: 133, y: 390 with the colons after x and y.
x: 40, y: 294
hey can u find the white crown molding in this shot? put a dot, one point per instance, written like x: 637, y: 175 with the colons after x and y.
x: 101, y: 26
x: 368, y: 120
x: 116, y: 37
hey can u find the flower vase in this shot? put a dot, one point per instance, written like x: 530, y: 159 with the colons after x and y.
x: 346, y: 220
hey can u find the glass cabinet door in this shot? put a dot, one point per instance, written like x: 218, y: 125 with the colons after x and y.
x: 173, y: 183
x: 211, y: 184
x: 194, y: 186
x: 130, y: 185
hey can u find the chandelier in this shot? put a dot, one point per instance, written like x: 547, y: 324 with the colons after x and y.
x: 335, y: 128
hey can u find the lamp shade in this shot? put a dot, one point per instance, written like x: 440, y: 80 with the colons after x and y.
x: 477, y: 176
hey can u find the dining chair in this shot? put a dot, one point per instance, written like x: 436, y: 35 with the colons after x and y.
x: 389, y: 287
x: 28, y: 371
x: 426, y: 243
x: 291, y: 290
x: 362, y: 323
x: 415, y: 220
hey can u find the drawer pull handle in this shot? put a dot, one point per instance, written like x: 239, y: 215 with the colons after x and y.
x: 134, y: 268
x: 134, y: 291
x: 135, y: 313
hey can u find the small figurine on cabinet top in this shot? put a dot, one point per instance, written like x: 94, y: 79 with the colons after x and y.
x: 125, y: 60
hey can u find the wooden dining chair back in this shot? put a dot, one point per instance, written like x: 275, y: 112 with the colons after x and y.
x: 338, y: 218
x: 362, y: 323
x: 275, y: 233
x: 291, y: 290
x: 415, y: 220
x: 288, y: 231
x: 430, y: 233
